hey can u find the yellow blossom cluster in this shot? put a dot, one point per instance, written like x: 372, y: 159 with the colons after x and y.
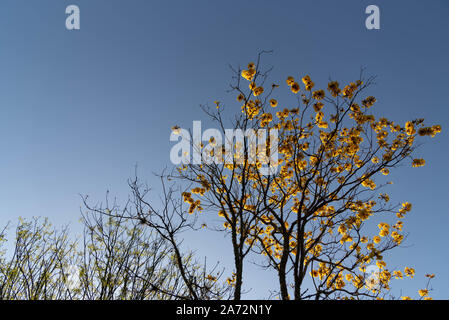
x: 429, y: 131
x: 418, y: 163
x: 252, y: 108
x: 309, y: 83
x: 294, y: 86
x: 333, y: 88
x: 406, y: 207
x: 194, y: 204
x: 250, y: 72
x: 348, y: 91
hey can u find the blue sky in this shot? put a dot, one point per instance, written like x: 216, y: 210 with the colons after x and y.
x: 80, y: 108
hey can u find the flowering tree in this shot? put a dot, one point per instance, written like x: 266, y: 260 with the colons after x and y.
x: 118, y: 257
x: 308, y: 202
x: 311, y: 216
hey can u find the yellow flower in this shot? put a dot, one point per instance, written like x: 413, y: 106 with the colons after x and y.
x: 348, y: 91
x: 322, y: 124
x: 240, y: 97
x: 318, y: 106
x: 406, y: 207
x: 368, y: 183
x: 248, y: 74
x: 318, y: 95
x: 410, y: 128
x: 369, y: 101
x: 418, y: 163
x: 428, y: 131
x: 295, y: 87
x: 406, y: 298
x: 176, y: 129
x: 384, y: 197
x: 290, y: 81
x: 409, y: 272
x: 397, y: 237
x: 258, y: 91
x: 222, y: 213
x: 423, y: 292
x: 308, y: 83
x: 376, y: 239
x: 306, y: 79
x: 436, y: 129
x: 273, y: 103
x: 333, y: 88
x: 398, y: 225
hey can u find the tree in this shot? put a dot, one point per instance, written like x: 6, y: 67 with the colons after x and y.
x: 125, y: 252
x: 34, y: 270
x: 175, y: 274
x: 299, y: 190
x: 310, y: 216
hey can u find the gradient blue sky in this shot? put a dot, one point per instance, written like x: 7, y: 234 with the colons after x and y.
x: 80, y: 108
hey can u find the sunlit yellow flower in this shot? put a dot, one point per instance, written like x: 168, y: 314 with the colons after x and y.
x: 369, y: 101
x: 258, y: 91
x: 318, y: 95
x: 418, y: 163
x: 410, y: 128
x: 290, y: 81
x: 333, y: 88
x: 295, y: 87
x: 423, y: 292
x: 248, y: 74
x: 308, y: 82
x: 409, y: 272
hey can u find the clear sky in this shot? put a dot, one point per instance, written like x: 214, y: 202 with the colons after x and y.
x: 80, y: 108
